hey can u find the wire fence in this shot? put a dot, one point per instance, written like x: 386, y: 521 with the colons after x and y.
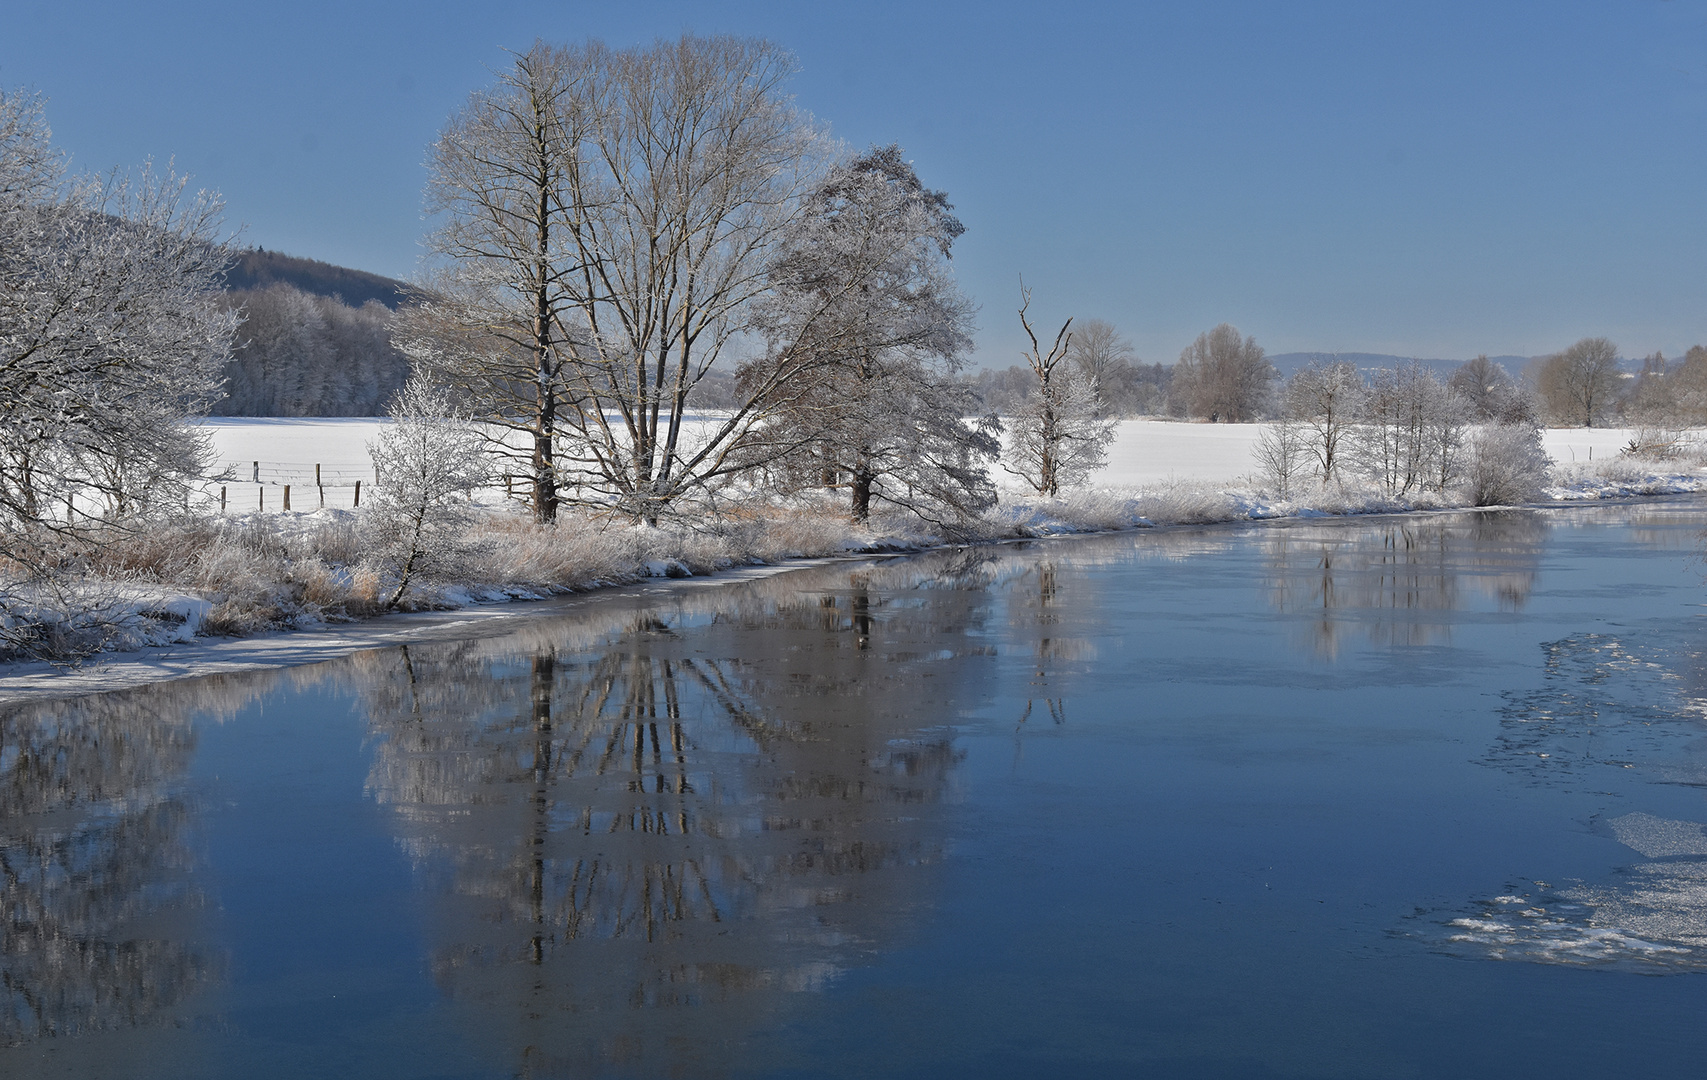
x: 243, y: 487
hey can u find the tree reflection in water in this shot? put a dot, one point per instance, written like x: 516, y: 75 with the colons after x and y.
x: 641, y: 849
x: 1393, y: 582
x: 97, y: 854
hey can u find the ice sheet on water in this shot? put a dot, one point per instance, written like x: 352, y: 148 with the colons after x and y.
x: 1608, y: 701
x: 1657, y: 924
x: 1649, y: 917
x: 1657, y: 837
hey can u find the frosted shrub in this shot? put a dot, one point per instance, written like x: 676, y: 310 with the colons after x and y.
x: 1506, y: 465
x: 1184, y: 504
x: 429, y: 461
x: 1657, y: 444
x: 1282, y: 456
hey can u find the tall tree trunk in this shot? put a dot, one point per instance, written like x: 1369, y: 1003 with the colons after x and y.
x: 863, y: 477
x: 544, y: 467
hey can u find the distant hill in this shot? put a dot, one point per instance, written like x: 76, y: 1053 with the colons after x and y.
x: 315, y: 339
x: 1287, y: 363
x: 257, y: 268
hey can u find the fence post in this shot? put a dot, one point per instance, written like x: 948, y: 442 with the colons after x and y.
x: 287, y: 499
x: 260, y: 498
x: 319, y: 485
x: 358, y: 494
x: 222, y: 499
x: 257, y: 476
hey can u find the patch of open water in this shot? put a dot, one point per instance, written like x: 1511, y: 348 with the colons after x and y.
x: 1413, y: 796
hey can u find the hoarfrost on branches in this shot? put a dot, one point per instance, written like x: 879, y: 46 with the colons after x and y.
x: 111, y: 335
x: 865, y: 312
x: 1059, y: 435
x: 611, y: 218
x: 428, y: 462
x: 110, y: 332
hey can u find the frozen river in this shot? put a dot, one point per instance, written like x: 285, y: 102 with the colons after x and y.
x: 1380, y: 797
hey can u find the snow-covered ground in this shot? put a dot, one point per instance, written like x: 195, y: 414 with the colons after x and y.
x: 1159, y: 472
x: 1145, y: 453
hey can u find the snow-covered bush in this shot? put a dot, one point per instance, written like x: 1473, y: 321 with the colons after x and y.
x: 1505, y: 465
x: 1187, y: 504
x: 428, y: 463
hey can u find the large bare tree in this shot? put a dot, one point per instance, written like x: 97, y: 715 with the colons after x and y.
x: 1098, y: 350
x: 1223, y: 377
x: 613, y: 215
x: 493, y: 321
x: 1581, y: 383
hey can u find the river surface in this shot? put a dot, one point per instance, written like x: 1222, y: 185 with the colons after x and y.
x: 1381, y: 797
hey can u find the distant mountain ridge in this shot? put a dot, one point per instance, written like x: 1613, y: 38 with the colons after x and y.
x: 256, y: 268
x: 1287, y: 363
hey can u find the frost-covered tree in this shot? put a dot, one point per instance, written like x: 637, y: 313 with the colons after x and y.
x: 1283, y: 455
x: 1059, y: 434
x: 1410, y: 432
x: 1687, y: 383
x: 111, y: 332
x: 1325, y: 399
x: 611, y: 218
x: 864, y: 306
x: 429, y: 460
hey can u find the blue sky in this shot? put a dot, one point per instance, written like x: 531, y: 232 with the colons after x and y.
x: 1433, y: 180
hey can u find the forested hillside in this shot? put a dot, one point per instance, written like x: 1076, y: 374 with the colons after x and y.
x: 314, y: 341
x: 257, y: 268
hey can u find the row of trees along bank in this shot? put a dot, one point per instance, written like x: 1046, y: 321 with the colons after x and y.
x: 620, y: 227
x: 622, y: 234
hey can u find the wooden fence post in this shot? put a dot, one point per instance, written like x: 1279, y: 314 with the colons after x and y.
x: 222, y: 498
x: 260, y: 497
x: 319, y: 485
x: 358, y: 494
x: 287, y: 499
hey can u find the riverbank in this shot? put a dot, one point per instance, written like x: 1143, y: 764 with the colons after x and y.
x: 295, y: 616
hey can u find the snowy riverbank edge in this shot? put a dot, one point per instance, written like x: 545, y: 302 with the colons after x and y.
x: 463, y: 613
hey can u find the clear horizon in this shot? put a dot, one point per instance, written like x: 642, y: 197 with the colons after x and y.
x: 1327, y: 177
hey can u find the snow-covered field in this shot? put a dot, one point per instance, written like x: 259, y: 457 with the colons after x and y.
x: 1145, y: 453
x: 1159, y: 473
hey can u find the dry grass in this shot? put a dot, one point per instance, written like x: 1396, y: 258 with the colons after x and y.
x: 262, y: 572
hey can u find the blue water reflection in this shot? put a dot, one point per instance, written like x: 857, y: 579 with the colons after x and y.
x: 1411, y: 796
